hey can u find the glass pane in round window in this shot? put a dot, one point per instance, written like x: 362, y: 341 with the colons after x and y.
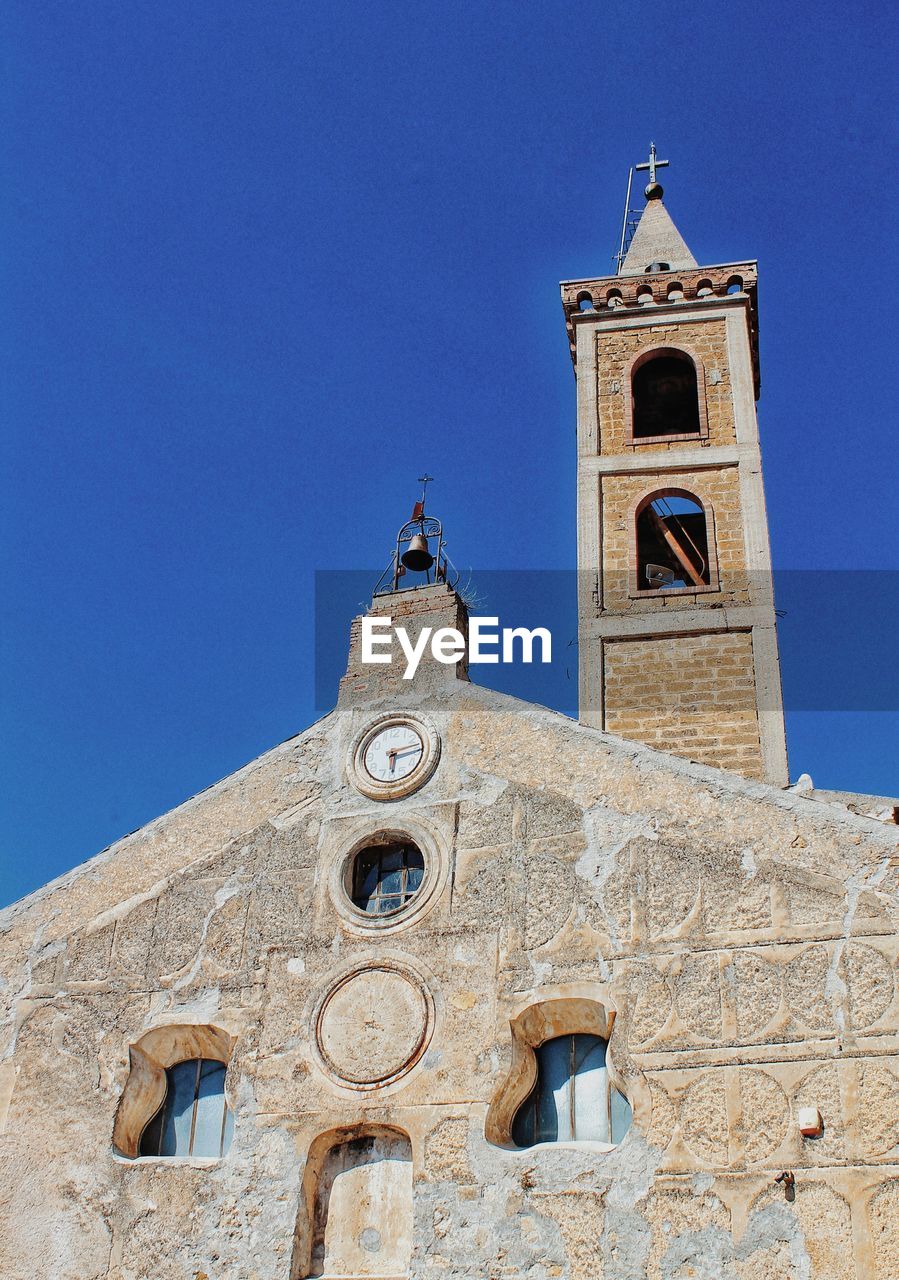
x: 386, y: 876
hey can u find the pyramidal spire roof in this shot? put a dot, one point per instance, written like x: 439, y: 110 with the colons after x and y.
x: 656, y: 239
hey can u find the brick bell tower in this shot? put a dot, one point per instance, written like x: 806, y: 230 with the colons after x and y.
x: 677, y: 639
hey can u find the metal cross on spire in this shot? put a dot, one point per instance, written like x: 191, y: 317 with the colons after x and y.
x: 652, y: 164
x: 419, y: 509
x: 632, y: 216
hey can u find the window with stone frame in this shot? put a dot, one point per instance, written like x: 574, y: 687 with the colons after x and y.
x: 194, y: 1119
x: 563, y: 1086
x: 386, y: 876
x: 173, y: 1101
x: 573, y: 1099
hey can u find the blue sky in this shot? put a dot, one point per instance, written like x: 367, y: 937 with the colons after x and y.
x: 264, y: 263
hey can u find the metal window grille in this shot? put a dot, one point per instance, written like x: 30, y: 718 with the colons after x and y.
x: 385, y: 877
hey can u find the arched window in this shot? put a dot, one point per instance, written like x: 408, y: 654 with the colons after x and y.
x: 359, y: 1216
x: 572, y: 1099
x: 194, y: 1119
x: 386, y: 877
x: 175, y: 1086
x: 665, y: 397
x: 561, y: 1084
x: 672, y: 543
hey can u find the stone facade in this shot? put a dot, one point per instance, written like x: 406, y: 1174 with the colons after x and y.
x: 730, y: 944
x: 706, y: 341
x: 719, y: 492
x: 736, y: 944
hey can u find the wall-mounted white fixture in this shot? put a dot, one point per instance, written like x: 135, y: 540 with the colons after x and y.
x: 810, y: 1123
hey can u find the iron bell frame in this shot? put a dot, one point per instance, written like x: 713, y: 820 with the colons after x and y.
x: 443, y: 569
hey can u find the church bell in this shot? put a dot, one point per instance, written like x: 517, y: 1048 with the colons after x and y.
x: 419, y: 548
x: 418, y: 557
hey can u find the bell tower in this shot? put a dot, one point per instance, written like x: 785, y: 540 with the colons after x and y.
x: 677, y: 639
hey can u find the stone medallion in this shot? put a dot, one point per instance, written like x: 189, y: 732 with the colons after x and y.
x: 374, y: 1025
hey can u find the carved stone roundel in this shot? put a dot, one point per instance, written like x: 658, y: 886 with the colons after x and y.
x: 373, y: 1026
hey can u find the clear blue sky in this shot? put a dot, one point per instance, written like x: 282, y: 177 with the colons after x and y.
x: 264, y: 263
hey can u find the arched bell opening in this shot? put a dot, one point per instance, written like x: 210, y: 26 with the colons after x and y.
x: 674, y: 546
x: 665, y: 396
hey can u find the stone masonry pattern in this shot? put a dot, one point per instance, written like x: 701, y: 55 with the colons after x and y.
x: 744, y: 937
x: 705, y: 339
x: 694, y: 695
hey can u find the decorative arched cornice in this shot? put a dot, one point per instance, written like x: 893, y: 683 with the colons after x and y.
x: 653, y: 353
x: 150, y: 1058
x: 636, y: 508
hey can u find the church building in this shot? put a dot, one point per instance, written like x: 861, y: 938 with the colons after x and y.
x: 453, y: 987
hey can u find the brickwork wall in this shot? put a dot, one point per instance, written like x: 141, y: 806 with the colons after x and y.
x: 615, y: 349
x: 719, y: 490
x: 435, y: 607
x: 693, y: 695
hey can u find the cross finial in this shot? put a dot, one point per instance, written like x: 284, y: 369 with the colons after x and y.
x: 653, y: 164
x: 424, y: 481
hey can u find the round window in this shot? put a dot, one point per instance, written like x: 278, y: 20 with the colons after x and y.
x: 385, y: 877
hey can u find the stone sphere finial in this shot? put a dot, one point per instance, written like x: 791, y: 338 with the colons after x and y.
x: 654, y: 191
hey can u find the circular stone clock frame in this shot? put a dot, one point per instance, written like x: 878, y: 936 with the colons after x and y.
x: 396, y: 788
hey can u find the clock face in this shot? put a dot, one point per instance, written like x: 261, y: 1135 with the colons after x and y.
x: 393, y: 753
